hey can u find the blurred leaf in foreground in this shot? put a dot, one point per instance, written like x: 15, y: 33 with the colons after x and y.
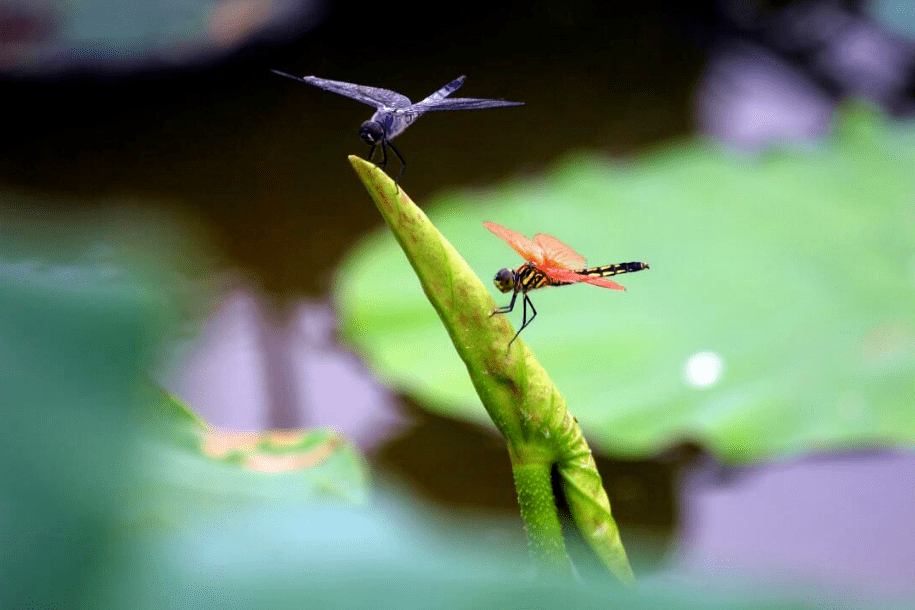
x: 98, y: 464
x: 77, y: 330
x: 778, y: 316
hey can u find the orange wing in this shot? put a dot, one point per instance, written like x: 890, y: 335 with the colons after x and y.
x: 519, y: 243
x: 561, y: 274
x: 558, y: 254
x: 603, y: 282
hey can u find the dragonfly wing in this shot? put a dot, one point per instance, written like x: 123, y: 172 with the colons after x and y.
x: 372, y: 96
x: 557, y: 253
x: 561, y: 274
x: 602, y: 282
x: 461, y: 103
x: 519, y: 243
x: 443, y: 92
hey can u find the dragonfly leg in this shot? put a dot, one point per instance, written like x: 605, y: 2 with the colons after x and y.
x: 384, y: 155
x: 403, y: 164
x: 524, y: 320
x: 371, y: 152
x: 506, y: 308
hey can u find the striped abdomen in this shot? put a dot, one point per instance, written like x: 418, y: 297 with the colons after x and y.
x: 608, y: 270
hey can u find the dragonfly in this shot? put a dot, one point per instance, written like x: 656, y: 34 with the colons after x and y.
x: 395, y: 112
x: 549, y: 263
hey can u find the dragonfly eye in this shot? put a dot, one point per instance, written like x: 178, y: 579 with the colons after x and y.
x: 371, y: 132
x: 505, y: 280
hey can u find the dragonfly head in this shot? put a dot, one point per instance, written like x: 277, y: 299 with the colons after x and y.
x: 371, y: 132
x: 505, y: 280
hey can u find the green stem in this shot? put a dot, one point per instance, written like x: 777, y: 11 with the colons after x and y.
x: 590, y: 506
x: 515, y: 390
x: 540, y: 517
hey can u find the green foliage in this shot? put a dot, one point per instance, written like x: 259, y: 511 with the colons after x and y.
x: 75, y: 335
x: 98, y: 464
x: 796, y: 269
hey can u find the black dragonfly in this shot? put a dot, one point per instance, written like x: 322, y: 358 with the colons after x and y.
x: 395, y: 112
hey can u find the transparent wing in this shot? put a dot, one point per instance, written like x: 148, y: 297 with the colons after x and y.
x: 372, y: 96
x: 443, y: 92
x: 519, y: 243
x: 557, y: 253
x: 461, y: 103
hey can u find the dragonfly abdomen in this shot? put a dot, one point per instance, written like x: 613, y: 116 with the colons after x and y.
x: 608, y: 270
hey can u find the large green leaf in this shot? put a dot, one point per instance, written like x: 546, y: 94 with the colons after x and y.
x: 795, y: 272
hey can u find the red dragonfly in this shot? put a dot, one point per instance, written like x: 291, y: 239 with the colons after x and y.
x: 549, y: 263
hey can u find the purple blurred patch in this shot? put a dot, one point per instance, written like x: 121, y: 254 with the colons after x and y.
x: 842, y: 523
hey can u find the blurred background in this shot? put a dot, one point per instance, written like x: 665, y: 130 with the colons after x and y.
x: 192, y: 219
